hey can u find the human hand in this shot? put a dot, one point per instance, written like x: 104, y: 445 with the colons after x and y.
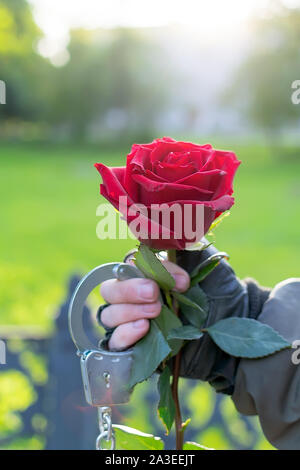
x: 133, y: 303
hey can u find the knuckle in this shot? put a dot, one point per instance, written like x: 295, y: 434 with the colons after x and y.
x: 105, y: 289
x: 129, y: 291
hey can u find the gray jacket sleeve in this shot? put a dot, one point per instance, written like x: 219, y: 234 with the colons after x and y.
x: 270, y: 387
x: 227, y: 297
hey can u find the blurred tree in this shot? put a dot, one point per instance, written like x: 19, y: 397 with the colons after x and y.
x: 80, y: 88
x: 22, y: 69
x: 18, y: 31
x: 114, y: 85
x: 262, y: 86
x: 111, y: 82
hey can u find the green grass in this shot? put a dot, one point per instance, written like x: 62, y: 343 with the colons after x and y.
x: 49, y: 196
x: 48, y: 215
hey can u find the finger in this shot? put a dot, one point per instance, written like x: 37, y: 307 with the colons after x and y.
x: 117, y: 314
x: 132, y: 291
x: 182, y: 279
x: 127, y: 334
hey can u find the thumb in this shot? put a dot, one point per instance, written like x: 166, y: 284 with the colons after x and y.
x: 182, y: 278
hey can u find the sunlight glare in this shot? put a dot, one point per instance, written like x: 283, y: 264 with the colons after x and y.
x: 209, y: 20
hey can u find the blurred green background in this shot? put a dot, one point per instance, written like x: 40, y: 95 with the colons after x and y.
x: 83, y: 84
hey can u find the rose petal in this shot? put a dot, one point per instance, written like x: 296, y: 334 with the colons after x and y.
x: 140, y: 158
x: 155, y: 192
x: 172, y: 172
x: 178, y: 158
x: 152, y: 176
x: 200, y: 156
x: 152, y: 234
x: 222, y: 160
x: 206, y: 179
x: 112, y: 179
x: 221, y: 204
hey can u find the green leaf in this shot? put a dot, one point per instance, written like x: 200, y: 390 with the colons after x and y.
x: 195, y: 313
x: 185, y: 424
x: 194, y: 446
x: 245, y: 337
x: 219, y: 220
x: 207, y: 263
x: 199, y: 246
x: 166, y: 406
x: 204, y: 273
x: 185, y: 332
x: 143, y: 265
x: 166, y: 321
x: 132, y: 439
x: 157, y: 250
x: 185, y: 300
x: 148, y: 353
x: 152, y: 267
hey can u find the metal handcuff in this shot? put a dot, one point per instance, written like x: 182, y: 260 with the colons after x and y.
x: 105, y: 374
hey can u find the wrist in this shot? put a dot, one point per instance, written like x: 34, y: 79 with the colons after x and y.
x: 257, y: 296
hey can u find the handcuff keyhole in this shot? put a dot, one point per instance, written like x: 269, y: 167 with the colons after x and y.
x: 106, y: 376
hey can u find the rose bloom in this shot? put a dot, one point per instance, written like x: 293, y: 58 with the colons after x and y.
x: 169, y: 172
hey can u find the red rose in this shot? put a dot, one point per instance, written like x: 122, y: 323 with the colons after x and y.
x: 170, y: 172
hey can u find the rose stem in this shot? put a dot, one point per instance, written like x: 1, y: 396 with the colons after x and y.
x: 174, y: 386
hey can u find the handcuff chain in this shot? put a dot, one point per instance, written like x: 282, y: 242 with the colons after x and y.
x: 105, y: 428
